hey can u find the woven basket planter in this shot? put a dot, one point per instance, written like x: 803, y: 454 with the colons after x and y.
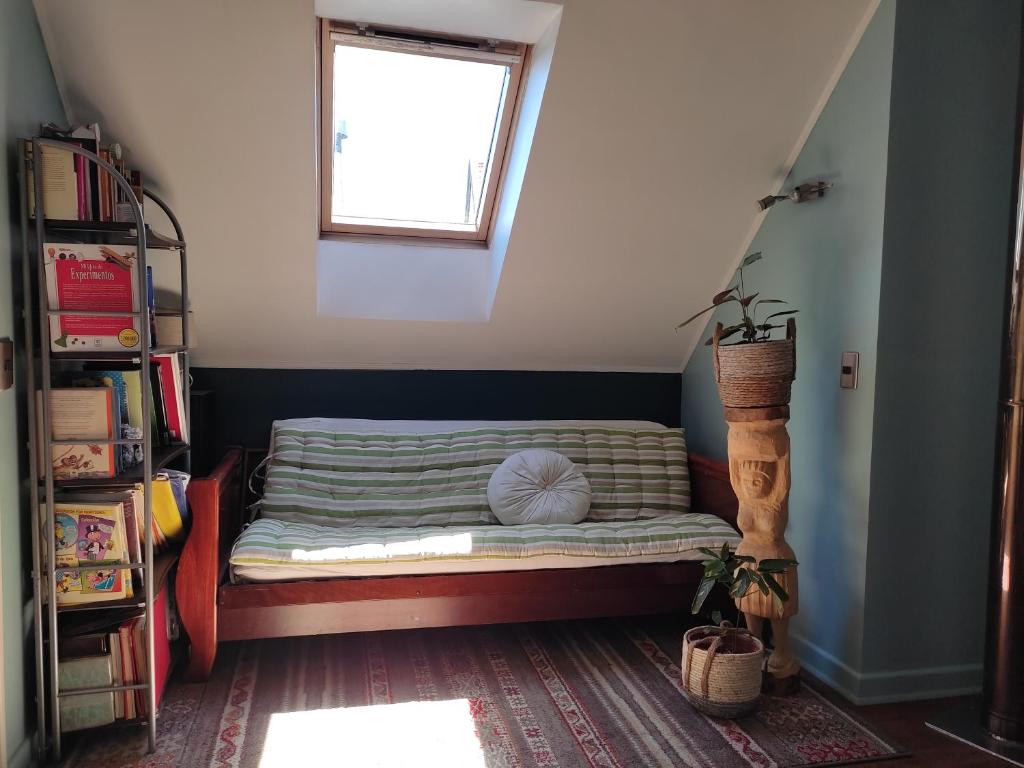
x: 722, y: 670
x: 758, y: 375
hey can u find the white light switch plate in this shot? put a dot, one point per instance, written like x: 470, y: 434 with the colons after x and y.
x: 848, y: 370
x: 6, y: 364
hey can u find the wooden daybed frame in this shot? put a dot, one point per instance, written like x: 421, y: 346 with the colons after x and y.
x: 213, y: 610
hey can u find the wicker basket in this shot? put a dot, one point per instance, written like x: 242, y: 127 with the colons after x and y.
x: 722, y: 670
x: 758, y: 375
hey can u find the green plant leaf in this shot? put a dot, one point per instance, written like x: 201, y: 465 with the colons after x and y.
x: 769, y: 565
x: 741, y: 584
x: 744, y: 559
x: 716, y: 618
x: 714, y: 570
x: 781, y: 314
x: 770, y: 301
x: 709, y: 552
x: 732, y: 330
x: 747, y: 261
x: 706, y: 585
x: 725, y: 551
x: 745, y: 301
x: 720, y: 297
x: 690, y: 319
x: 759, y: 580
x: 780, y: 594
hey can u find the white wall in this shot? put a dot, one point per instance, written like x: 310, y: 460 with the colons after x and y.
x: 662, y: 123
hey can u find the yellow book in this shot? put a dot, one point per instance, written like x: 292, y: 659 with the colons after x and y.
x: 165, y: 510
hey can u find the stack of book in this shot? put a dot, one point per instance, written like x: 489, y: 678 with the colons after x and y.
x: 107, y: 527
x: 101, y: 653
x: 75, y: 189
x: 102, y: 404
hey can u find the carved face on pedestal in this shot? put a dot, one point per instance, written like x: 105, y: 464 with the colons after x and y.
x: 759, y: 461
x: 757, y: 478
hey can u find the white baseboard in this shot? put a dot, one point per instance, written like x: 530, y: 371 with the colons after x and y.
x: 886, y: 687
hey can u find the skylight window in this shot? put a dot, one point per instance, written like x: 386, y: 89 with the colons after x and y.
x: 414, y: 130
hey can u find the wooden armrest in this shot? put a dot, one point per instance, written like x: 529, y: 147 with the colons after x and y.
x: 216, y: 505
x: 711, y: 490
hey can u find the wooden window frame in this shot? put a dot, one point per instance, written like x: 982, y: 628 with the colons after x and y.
x: 326, y: 41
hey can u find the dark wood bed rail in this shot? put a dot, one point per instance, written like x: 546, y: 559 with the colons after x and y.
x: 213, y: 610
x: 216, y: 504
x: 711, y: 490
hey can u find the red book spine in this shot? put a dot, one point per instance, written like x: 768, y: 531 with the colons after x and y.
x: 161, y: 645
x: 171, y: 395
x: 161, y: 653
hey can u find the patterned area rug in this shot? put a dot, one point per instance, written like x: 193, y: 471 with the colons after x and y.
x: 592, y: 694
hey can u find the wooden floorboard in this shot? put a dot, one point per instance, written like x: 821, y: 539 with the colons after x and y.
x: 904, y: 724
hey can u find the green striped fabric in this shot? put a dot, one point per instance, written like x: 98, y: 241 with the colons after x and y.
x: 377, y: 480
x: 269, y: 543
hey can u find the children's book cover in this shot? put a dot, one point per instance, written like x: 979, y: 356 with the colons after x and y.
x: 95, y: 538
x: 90, y: 534
x: 97, y: 277
x: 89, y: 415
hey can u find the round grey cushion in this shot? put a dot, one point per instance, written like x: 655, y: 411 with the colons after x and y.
x: 538, y: 486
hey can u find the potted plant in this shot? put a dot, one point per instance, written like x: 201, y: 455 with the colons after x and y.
x: 755, y: 371
x: 722, y: 665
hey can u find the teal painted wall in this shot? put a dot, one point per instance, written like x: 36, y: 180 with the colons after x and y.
x: 904, y: 262
x: 825, y: 258
x: 28, y: 96
x: 947, y: 235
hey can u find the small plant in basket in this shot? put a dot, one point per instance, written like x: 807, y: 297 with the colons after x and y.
x: 738, y: 573
x: 748, y: 327
x: 757, y: 371
x: 722, y: 664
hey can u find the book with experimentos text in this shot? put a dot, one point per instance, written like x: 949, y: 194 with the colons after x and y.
x: 92, y: 277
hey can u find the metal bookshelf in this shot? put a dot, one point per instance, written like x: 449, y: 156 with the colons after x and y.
x: 41, y: 364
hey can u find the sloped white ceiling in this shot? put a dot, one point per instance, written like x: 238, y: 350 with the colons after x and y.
x: 662, y: 122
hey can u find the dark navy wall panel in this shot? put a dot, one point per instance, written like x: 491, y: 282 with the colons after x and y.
x: 246, y: 401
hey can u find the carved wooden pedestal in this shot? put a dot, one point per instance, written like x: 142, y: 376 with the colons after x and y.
x: 759, y: 471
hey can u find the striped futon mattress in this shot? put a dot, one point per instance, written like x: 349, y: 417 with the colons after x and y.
x: 364, y: 498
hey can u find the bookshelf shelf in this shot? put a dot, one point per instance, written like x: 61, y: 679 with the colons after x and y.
x: 162, y: 457
x: 101, y: 567
x: 130, y: 602
x: 104, y: 689
x: 162, y: 565
x: 56, y: 251
x: 111, y: 233
x: 122, y: 357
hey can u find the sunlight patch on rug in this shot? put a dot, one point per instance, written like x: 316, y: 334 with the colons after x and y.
x: 425, y: 734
